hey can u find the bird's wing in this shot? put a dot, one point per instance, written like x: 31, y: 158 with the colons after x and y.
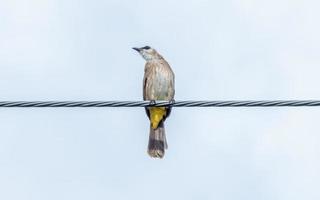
x: 170, y: 75
x: 147, y: 71
x: 145, y: 79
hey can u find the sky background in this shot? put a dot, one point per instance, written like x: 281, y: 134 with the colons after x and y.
x: 219, y: 50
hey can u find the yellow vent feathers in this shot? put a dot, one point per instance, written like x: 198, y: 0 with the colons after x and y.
x: 156, y: 115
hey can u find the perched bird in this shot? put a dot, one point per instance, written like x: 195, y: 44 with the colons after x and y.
x: 158, y: 84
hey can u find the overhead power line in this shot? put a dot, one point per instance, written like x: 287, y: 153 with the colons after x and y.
x: 272, y: 103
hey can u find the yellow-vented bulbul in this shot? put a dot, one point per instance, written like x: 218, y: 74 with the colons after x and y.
x: 158, y: 84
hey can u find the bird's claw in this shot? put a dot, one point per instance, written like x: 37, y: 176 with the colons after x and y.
x: 171, y: 102
x: 152, y: 103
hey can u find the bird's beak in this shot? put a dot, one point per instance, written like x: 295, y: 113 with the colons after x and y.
x: 137, y: 49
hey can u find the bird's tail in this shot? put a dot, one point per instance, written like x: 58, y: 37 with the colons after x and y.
x: 157, y: 141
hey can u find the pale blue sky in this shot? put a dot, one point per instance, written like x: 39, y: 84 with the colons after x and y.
x: 81, y: 50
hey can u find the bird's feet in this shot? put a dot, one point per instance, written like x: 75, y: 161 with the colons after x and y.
x: 152, y: 102
x: 171, y: 102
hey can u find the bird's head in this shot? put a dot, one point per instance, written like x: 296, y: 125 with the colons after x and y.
x: 148, y: 53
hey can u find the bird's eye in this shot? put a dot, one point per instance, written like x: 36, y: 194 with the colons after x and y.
x: 146, y: 47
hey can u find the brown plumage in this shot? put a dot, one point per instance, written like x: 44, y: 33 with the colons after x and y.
x: 158, y: 84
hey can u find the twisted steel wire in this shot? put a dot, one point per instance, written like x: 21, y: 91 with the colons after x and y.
x: 272, y: 103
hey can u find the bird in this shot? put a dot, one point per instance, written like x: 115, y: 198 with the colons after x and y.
x: 158, y: 84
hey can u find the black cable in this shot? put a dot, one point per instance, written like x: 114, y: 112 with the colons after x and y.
x: 272, y: 103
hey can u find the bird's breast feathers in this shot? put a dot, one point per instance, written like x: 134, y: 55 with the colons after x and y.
x: 159, y: 81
